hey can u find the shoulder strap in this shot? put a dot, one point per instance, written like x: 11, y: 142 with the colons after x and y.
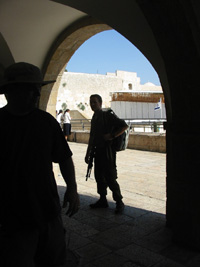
x: 105, y: 120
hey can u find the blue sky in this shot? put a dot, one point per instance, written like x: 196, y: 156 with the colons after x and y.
x: 109, y: 51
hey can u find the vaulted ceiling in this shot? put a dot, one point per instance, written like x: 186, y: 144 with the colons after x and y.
x: 162, y: 30
x: 29, y: 28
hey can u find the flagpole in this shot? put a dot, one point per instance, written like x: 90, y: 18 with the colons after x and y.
x: 160, y: 108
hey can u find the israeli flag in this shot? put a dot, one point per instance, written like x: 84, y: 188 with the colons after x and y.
x: 158, y: 105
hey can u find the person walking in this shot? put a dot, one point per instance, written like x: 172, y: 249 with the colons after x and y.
x: 59, y: 118
x: 31, y: 228
x: 104, y: 128
x: 67, y: 123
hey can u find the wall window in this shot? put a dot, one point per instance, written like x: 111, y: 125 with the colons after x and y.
x: 130, y: 86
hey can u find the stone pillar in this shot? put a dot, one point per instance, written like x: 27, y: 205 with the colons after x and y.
x: 183, y: 183
x: 51, y: 106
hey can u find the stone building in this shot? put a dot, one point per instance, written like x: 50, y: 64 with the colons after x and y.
x: 139, y: 105
x: 76, y: 88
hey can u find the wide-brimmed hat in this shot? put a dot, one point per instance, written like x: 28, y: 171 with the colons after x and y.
x: 22, y: 72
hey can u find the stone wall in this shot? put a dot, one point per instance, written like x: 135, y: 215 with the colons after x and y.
x: 154, y: 142
x: 76, y: 88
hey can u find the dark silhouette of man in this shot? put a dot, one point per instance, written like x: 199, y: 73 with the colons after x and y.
x: 31, y: 229
x: 105, y: 126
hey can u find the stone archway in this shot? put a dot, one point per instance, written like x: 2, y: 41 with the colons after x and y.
x: 66, y: 45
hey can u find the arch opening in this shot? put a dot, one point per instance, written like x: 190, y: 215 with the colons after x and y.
x: 65, y: 47
x: 62, y: 67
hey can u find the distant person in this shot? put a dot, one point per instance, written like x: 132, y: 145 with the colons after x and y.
x: 31, y: 229
x: 67, y: 123
x: 59, y: 118
x: 104, y: 128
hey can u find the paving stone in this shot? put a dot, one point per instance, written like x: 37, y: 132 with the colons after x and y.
x: 92, y: 251
x: 131, y: 264
x: 156, y: 241
x: 140, y: 255
x: 82, y: 229
x: 99, y: 223
x: 111, y: 259
x: 75, y: 241
x: 179, y: 254
x: 168, y: 263
x: 194, y: 262
x: 136, y: 238
x: 73, y: 259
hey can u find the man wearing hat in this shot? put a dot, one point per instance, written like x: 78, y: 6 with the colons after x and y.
x: 31, y: 229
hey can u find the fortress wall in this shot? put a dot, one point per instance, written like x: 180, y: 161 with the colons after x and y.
x: 76, y: 88
x: 154, y: 142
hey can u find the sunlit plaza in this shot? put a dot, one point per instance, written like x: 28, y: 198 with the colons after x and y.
x: 139, y: 236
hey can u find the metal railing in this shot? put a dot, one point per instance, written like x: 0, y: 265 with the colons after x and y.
x: 146, y: 125
x: 80, y: 124
x: 137, y: 125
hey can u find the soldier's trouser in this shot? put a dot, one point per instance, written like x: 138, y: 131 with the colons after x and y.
x: 105, y: 170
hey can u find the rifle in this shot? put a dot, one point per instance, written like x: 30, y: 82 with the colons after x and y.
x: 90, y: 163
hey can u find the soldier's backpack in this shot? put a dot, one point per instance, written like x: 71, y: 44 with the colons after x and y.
x: 120, y: 142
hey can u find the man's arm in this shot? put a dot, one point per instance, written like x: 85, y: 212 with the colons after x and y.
x: 110, y: 136
x: 88, y: 152
x: 71, y: 195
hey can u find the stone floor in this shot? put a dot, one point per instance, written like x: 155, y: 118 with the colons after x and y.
x: 138, y: 238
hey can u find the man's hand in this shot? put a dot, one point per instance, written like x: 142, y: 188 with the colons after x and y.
x: 71, y: 195
x: 108, y: 137
x: 86, y: 159
x: 72, y: 198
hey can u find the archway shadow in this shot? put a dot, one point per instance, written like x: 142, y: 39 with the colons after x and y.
x: 98, y: 237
